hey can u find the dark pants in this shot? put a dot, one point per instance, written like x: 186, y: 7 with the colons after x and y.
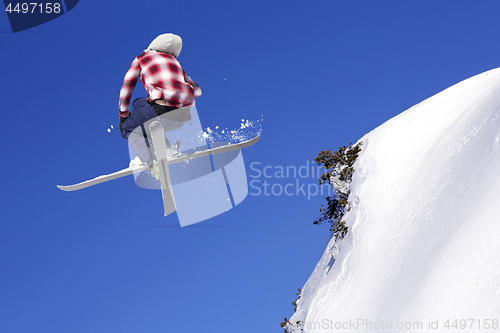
x: 136, y: 127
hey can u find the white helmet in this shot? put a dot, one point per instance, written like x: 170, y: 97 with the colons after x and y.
x: 168, y: 43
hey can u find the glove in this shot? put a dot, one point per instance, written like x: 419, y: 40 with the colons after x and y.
x: 122, y: 120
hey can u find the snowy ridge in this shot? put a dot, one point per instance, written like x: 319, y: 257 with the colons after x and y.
x: 422, y: 249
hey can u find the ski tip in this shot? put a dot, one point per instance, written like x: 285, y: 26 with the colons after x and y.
x: 64, y: 188
x: 155, y: 124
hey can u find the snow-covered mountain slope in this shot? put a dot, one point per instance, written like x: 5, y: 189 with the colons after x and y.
x: 423, y: 248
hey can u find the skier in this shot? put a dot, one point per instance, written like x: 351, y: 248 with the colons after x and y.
x: 170, y: 93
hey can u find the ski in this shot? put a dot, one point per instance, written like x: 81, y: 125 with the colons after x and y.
x: 213, y: 151
x: 160, y: 152
x: 105, y: 178
x: 172, y: 160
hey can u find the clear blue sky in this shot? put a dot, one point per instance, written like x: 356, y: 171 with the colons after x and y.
x: 104, y: 259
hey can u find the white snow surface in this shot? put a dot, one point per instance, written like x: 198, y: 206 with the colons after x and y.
x: 423, y: 243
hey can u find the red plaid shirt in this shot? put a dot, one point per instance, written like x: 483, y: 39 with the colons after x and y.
x: 163, y: 78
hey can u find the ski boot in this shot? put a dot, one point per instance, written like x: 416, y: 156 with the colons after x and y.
x: 172, y: 151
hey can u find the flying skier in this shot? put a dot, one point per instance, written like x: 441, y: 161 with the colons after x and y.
x: 170, y: 93
x: 170, y: 99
